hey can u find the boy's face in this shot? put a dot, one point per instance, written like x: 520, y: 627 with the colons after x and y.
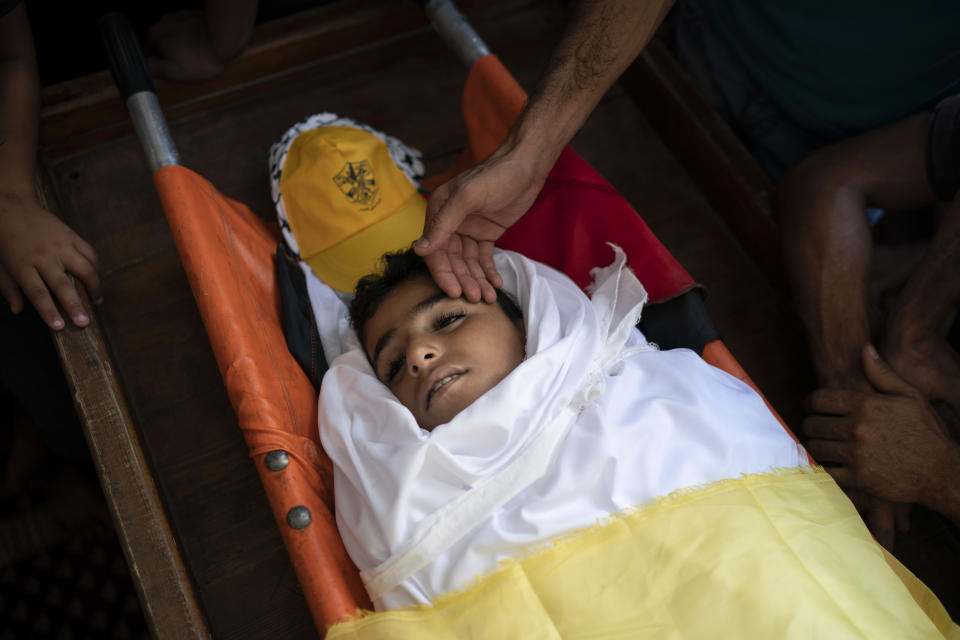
x: 438, y: 354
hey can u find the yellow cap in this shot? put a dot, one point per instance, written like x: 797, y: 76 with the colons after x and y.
x: 347, y: 203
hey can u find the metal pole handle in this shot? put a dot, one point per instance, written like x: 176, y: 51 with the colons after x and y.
x: 132, y: 76
x: 454, y: 30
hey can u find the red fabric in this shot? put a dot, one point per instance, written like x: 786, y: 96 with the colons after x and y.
x: 573, y: 219
x: 577, y: 213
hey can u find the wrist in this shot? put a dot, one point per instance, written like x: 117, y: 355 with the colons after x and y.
x: 943, y: 495
x: 535, y: 146
x: 16, y: 196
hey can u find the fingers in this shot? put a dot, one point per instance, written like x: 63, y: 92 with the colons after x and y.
x: 38, y: 252
x: 441, y: 220
x: 66, y: 293
x: 831, y: 451
x: 826, y: 427
x: 845, y: 477
x: 83, y: 247
x: 84, y: 265
x: 10, y: 291
x: 458, y: 272
x: 880, y: 520
x: 36, y: 291
x: 836, y: 402
x: 471, y: 256
x: 442, y: 272
x: 488, y: 265
x: 42, y: 283
x: 469, y: 285
x: 882, y: 377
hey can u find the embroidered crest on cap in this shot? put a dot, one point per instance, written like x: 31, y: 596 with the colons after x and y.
x: 357, y: 182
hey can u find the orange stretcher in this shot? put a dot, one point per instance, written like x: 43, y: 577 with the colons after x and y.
x: 228, y: 253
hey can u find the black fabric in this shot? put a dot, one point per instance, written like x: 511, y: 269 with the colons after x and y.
x: 299, y: 325
x: 680, y: 322
x: 6, y: 6
x: 943, y: 149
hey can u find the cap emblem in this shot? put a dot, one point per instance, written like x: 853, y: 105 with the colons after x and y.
x: 357, y: 182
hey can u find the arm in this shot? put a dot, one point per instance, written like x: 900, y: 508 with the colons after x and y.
x: 466, y: 215
x: 196, y: 44
x: 36, y: 248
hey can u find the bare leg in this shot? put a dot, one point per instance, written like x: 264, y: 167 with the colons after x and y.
x: 828, y: 252
x: 827, y: 243
x: 891, y: 268
x: 914, y: 341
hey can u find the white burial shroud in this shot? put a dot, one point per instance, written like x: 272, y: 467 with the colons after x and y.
x: 593, y: 422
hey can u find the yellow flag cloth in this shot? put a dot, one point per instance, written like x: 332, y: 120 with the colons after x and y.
x: 774, y: 555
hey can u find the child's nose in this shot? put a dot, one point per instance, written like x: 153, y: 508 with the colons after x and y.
x: 420, y: 357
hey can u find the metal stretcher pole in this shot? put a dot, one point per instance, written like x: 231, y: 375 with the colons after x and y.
x: 455, y: 31
x: 129, y: 68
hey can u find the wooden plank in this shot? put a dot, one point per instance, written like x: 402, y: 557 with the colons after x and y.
x: 87, y: 111
x: 710, y: 152
x: 164, y: 587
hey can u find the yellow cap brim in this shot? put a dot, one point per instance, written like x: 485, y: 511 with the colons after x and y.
x: 343, y: 264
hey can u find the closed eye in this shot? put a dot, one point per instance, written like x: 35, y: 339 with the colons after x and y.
x: 447, y: 318
x: 395, y: 366
x: 441, y: 321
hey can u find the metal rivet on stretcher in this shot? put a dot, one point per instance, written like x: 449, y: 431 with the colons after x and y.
x: 298, y: 517
x: 276, y: 460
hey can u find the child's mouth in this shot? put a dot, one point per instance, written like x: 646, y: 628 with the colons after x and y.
x: 441, y: 384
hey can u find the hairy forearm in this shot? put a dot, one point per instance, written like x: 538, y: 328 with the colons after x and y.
x: 601, y: 40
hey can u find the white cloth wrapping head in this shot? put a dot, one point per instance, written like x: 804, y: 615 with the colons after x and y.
x: 413, y: 507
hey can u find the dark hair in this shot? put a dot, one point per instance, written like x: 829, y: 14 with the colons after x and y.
x: 399, y: 267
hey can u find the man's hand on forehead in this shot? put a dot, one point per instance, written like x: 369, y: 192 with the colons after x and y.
x: 465, y: 267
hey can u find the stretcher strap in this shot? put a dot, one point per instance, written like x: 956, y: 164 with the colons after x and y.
x: 227, y: 253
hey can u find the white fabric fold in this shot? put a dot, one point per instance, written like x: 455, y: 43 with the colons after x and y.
x: 579, y: 430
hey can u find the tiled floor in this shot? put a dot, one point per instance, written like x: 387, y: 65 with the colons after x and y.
x: 62, y: 571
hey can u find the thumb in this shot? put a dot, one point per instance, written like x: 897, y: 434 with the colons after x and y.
x: 442, y: 218
x: 881, y: 376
